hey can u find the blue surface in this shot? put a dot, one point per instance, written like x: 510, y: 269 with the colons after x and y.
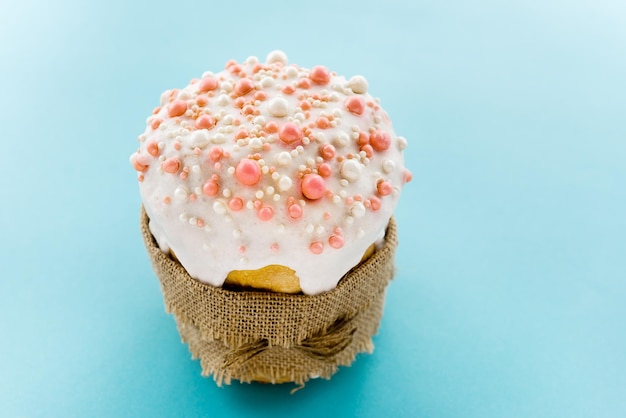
x: 509, y: 297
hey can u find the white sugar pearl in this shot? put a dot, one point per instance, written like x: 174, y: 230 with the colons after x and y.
x: 358, y: 210
x: 284, y: 158
x: 358, y: 84
x: 200, y: 138
x: 181, y: 194
x: 267, y: 82
x: 291, y: 72
x: 278, y: 107
x: 342, y: 139
x: 350, y: 170
x: 223, y: 100
x: 255, y: 144
x: 401, y: 143
x: 276, y: 56
x: 218, y: 139
x: 284, y: 183
x: 219, y: 207
x: 388, y: 166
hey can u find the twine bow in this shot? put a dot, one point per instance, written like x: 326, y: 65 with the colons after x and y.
x: 322, y: 346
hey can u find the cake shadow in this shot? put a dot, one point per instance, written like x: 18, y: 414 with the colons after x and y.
x: 264, y: 399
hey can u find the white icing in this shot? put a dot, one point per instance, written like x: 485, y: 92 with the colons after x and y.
x: 208, y: 232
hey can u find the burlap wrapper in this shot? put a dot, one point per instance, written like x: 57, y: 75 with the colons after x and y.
x: 274, y: 337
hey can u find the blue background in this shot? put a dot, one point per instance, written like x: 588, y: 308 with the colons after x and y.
x: 509, y: 299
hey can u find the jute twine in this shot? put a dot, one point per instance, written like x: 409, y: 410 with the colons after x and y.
x: 275, y: 337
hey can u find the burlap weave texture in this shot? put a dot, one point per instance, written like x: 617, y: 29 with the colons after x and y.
x: 275, y: 337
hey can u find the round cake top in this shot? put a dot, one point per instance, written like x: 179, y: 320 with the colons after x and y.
x: 270, y: 163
